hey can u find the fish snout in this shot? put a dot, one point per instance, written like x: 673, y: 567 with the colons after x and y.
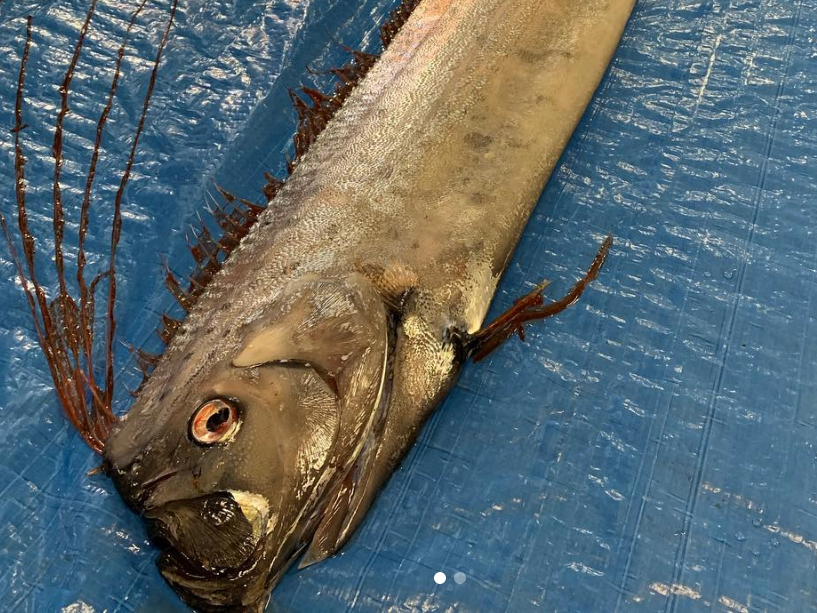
x: 129, y: 482
x: 138, y: 482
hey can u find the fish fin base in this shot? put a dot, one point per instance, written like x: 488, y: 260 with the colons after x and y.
x: 394, y: 281
x: 316, y: 108
x: 234, y: 219
x: 529, y: 308
x: 397, y: 18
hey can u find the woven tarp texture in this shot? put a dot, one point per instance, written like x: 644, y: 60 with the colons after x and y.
x: 650, y: 449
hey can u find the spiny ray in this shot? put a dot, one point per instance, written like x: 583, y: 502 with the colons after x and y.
x: 116, y: 228
x: 64, y: 326
x: 314, y: 110
x: 87, y: 295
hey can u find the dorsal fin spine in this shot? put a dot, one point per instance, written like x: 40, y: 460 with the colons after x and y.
x: 314, y: 109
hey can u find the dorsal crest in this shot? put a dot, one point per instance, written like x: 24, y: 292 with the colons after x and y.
x: 234, y: 216
x: 65, y: 324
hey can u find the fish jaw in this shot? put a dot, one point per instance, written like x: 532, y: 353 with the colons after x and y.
x: 220, y: 531
x: 224, y: 551
x: 227, y: 550
x: 246, y: 588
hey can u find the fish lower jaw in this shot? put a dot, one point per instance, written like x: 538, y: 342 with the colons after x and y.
x: 241, y: 590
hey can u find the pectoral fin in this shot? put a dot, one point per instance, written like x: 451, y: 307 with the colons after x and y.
x: 529, y: 308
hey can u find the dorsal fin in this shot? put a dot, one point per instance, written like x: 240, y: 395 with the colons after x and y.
x: 184, y: 298
x: 314, y: 109
x: 397, y: 19
x: 65, y: 325
x: 168, y: 328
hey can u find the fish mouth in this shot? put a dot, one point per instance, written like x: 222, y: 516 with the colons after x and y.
x: 245, y: 587
x: 238, y: 589
x: 213, y: 549
x: 242, y: 589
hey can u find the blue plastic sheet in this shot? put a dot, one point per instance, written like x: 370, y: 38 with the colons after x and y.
x: 650, y: 449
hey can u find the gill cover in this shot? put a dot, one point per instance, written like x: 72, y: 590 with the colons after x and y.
x: 341, y: 330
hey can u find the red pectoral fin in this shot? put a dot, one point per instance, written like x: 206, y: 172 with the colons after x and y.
x: 531, y: 307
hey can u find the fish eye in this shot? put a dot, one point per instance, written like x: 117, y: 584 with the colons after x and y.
x: 215, y: 421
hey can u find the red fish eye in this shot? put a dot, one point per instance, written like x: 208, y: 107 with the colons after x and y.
x: 215, y: 421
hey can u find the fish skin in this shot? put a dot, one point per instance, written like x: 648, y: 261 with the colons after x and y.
x: 384, y: 247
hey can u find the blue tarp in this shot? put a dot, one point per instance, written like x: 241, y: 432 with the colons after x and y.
x: 650, y: 449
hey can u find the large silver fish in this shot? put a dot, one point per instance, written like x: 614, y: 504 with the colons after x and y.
x: 305, y: 369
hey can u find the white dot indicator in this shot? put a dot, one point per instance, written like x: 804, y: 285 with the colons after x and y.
x: 459, y: 578
x: 439, y: 578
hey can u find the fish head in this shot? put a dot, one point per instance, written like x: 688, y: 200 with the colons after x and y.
x: 232, y: 462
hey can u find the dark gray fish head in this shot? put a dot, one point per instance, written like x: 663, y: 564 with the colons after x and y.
x: 237, y: 459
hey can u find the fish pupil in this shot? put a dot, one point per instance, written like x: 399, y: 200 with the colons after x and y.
x: 218, y: 419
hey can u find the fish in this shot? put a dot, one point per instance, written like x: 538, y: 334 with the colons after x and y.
x: 321, y: 331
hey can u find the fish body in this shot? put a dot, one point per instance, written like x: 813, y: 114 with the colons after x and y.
x: 305, y: 370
